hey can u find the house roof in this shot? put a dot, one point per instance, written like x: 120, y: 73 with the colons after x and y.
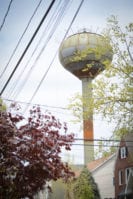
x: 99, y: 162
x: 95, y: 164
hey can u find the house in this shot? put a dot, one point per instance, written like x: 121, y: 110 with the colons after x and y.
x: 124, y: 169
x: 103, y: 171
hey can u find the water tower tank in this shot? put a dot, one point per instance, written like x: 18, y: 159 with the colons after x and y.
x: 80, y: 54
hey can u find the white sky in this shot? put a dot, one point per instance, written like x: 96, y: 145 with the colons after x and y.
x: 59, y: 85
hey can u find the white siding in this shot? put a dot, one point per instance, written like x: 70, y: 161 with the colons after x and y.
x: 103, y: 176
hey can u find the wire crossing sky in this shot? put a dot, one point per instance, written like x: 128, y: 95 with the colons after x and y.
x: 53, y: 24
x: 55, y: 53
x: 4, y: 19
x: 28, y: 45
x: 16, y: 47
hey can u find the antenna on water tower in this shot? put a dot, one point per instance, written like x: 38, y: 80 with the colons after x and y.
x: 78, y: 55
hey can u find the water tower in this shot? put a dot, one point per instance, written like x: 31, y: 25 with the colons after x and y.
x: 83, y: 54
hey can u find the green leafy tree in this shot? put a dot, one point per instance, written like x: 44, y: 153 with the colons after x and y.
x: 113, y: 96
x: 2, y: 106
x: 105, y: 148
x: 113, y: 89
x: 85, y: 187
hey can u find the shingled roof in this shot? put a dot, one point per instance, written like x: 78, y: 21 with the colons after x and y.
x: 94, y: 164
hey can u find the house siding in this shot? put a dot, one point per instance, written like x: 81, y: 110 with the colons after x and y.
x: 103, y: 176
x: 121, y: 165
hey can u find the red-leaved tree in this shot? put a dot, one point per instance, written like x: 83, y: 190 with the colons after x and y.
x: 30, y: 153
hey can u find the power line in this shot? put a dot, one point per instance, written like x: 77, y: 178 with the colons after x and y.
x: 58, y: 16
x: 78, y: 144
x: 104, y: 140
x: 82, y: 139
x: 28, y: 103
x: 56, y: 52
x: 43, y: 105
x: 15, y: 49
x: 115, y: 146
x: 95, y: 139
x: 28, y: 45
x: 20, y: 58
x: 26, y: 65
x: 6, y: 14
x: 35, y: 92
x: 48, y: 106
x: 74, y: 17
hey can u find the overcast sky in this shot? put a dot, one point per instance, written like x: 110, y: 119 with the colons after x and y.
x: 59, y: 85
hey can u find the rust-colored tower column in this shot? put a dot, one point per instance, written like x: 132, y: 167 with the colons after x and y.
x: 87, y: 120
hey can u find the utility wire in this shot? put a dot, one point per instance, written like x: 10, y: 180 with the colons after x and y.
x: 87, y: 140
x: 28, y: 45
x: 35, y: 92
x: 105, y: 140
x: 90, y: 140
x: 26, y: 65
x: 44, y: 105
x: 56, y: 52
x: 115, y: 146
x: 28, y: 103
x: 74, y: 17
x: 6, y: 14
x: 58, y: 17
x: 15, y: 49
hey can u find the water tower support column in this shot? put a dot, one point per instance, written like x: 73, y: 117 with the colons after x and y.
x: 87, y: 120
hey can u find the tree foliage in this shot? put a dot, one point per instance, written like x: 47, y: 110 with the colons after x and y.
x: 2, y: 106
x: 113, y: 94
x: 85, y: 186
x: 113, y: 89
x: 30, y: 151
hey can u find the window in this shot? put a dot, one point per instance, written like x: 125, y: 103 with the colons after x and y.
x: 127, y: 173
x: 113, y: 181
x: 120, y: 177
x: 123, y: 152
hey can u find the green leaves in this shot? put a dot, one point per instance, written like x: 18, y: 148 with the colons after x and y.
x: 2, y: 106
x: 85, y: 186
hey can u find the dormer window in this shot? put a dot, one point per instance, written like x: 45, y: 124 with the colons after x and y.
x: 123, y: 152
